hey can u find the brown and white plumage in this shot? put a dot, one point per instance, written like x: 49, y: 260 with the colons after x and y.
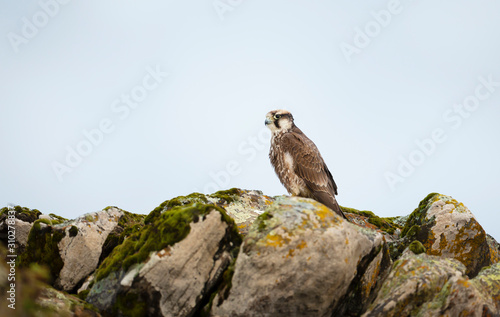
x: 298, y: 163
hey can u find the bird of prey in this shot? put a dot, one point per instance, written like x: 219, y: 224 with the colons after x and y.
x: 298, y: 163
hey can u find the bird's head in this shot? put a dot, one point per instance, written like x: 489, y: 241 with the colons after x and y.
x: 279, y: 120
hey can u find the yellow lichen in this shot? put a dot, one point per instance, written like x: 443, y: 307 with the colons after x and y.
x: 301, y: 245
x: 325, y: 215
x: 275, y: 240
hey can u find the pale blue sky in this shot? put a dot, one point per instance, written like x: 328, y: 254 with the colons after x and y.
x: 70, y: 67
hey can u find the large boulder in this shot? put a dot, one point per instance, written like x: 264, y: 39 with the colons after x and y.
x: 71, y: 249
x: 423, y: 285
x: 171, y: 266
x: 301, y: 259
x: 448, y: 229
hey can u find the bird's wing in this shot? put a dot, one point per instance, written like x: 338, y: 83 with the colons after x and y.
x: 309, y: 165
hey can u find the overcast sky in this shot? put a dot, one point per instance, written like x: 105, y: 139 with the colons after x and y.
x: 130, y: 103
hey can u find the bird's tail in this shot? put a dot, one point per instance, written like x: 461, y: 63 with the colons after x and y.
x: 329, y: 201
x: 337, y: 209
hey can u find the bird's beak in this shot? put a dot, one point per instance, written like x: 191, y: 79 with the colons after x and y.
x: 268, y: 121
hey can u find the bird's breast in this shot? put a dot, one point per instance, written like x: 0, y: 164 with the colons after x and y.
x: 284, y: 166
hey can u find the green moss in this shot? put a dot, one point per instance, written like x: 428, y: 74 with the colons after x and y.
x: 366, y: 213
x: 205, y: 312
x: 440, y: 300
x: 128, y: 224
x: 418, y: 215
x: 417, y: 247
x: 183, y: 200
x: 73, y: 231
x: 261, y: 220
x: 413, y: 232
x: 50, y: 222
x: 153, y: 215
x: 228, y: 196
x: 45, y: 221
x: 130, y: 219
x: 177, y: 201
x: 23, y: 213
x: 42, y: 248
x: 227, y: 279
x: 130, y: 305
x: 225, y: 286
x: 489, y: 281
x: 163, y: 230
x: 350, y: 210
x: 61, y: 219
x: 385, y: 224
x: 83, y: 294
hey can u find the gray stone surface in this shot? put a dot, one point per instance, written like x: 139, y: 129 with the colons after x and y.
x: 80, y: 253
x: 298, y: 259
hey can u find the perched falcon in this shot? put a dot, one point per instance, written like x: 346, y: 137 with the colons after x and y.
x: 298, y: 163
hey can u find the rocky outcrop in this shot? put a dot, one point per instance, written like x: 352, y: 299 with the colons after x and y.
x: 301, y: 259
x: 171, y: 267
x: 32, y: 296
x: 446, y: 228
x: 71, y: 248
x: 241, y: 253
x: 423, y: 285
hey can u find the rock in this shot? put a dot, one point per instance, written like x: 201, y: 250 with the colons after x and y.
x: 494, y: 247
x: 423, y: 285
x: 448, y: 229
x: 71, y: 249
x: 301, y: 259
x: 57, y: 303
x: 81, y: 247
x: 244, y: 206
x: 389, y: 227
x: 488, y: 283
x: 24, y: 218
x: 171, y: 266
x: 298, y: 258
x: 34, y: 297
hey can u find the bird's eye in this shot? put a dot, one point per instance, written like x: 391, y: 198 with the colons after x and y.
x: 277, y: 116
